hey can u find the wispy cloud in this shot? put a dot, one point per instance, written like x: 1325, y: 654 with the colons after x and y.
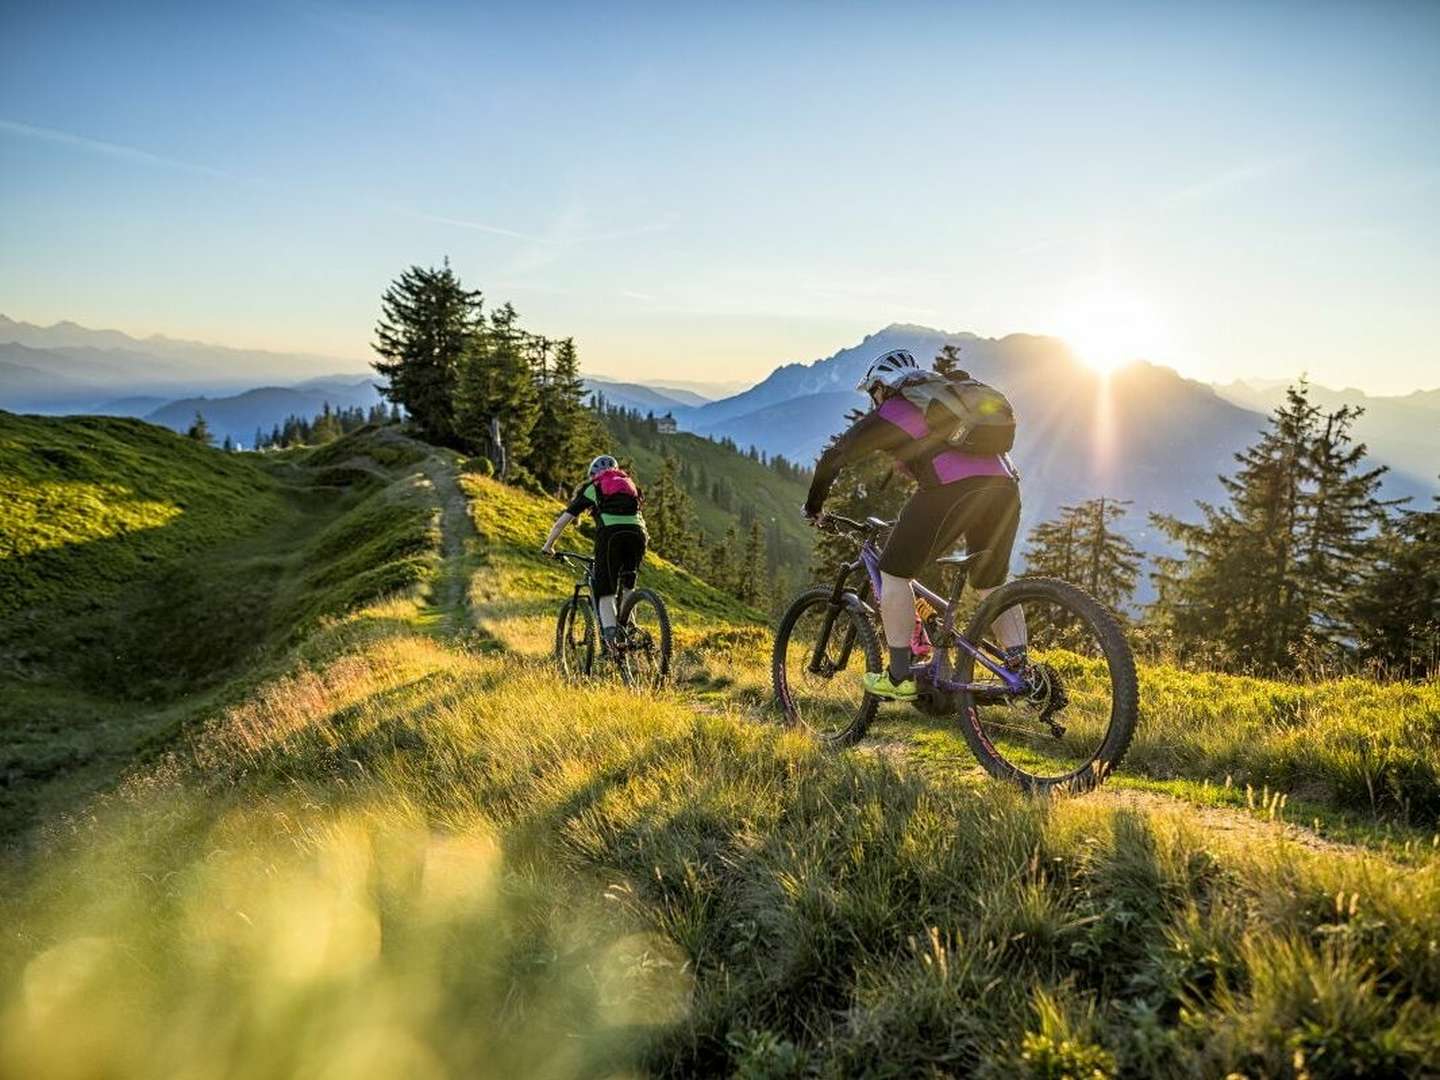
x: 111, y: 149
x: 144, y: 157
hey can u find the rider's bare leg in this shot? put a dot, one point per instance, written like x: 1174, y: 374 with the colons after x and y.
x: 897, y: 615
x: 607, y: 610
x: 1009, y: 625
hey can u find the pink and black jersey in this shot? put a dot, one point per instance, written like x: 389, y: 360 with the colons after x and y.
x: 899, y: 427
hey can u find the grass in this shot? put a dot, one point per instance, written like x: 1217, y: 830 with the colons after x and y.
x: 91, y: 684
x: 403, y: 857
x: 90, y: 503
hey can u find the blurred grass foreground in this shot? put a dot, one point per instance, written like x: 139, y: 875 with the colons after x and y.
x: 399, y: 846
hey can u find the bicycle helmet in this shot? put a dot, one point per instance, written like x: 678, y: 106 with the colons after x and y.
x: 601, y: 463
x: 889, y: 371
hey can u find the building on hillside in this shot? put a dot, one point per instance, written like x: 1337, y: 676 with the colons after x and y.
x: 666, y: 425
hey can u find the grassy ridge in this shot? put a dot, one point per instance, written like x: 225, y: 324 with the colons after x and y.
x: 89, y: 682
x: 89, y: 503
x: 771, y: 496
x: 403, y: 858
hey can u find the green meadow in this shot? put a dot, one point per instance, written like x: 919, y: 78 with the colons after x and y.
x: 291, y: 787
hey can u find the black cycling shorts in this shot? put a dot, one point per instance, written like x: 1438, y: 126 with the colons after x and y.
x: 985, y: 510
x: 619, y: 550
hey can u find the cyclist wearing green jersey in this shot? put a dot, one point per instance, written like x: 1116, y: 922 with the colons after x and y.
x: 613, y: 500
x: 962, y: 490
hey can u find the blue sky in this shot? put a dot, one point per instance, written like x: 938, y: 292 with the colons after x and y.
x: 705, y: 192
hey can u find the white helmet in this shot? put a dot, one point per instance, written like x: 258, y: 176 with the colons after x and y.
x: 889, y: 370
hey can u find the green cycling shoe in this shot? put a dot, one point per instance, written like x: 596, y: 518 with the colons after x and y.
x: 878, y: 683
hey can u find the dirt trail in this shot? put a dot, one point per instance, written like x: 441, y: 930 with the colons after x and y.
x: 1237, y: 824
x: 457, y: 532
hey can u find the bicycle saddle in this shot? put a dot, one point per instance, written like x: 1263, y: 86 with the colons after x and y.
x: 961, y: 559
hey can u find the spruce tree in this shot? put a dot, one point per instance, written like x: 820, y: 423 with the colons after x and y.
x: 565, y: 431
x: 326, y: 427
x: 754, y: 581
x: 1050, y: 549
x: 1236, y: 589
x: 1270, y: 573
x: 1344, y: 514
x: 668, y: 515
x: 1394, y: 606
x: 199, y: 430
x: 496, y: 382
x: 428, y: 323
x: 720, y: 568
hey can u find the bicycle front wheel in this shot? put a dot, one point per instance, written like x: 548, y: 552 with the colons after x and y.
x: 575, y: 638
x: 644, y: 646
x: 822, y: 652
x: 1070, y: 725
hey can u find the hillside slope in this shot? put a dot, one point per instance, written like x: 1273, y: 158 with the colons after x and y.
x: 88, y: 503
x: 422, y: 853
x: 748, y: 490
x: 148, y: 577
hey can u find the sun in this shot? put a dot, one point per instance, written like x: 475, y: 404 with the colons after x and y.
x: 1110, y: 327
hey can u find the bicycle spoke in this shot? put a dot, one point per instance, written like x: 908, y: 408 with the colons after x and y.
x: 821, y: 680
x: 1058, y: 726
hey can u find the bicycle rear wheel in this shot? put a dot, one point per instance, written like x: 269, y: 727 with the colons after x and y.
x: 818, y: 682
x: 1073, y: 722
x: 644, y: 647
x: 575, y: 638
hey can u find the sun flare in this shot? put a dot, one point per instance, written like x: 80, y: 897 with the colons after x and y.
x: 1108, y: 329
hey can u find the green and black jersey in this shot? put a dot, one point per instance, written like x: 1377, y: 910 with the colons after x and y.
x: 611, y: 498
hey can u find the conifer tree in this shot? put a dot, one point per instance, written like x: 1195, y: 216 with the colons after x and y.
x: 326, y: 427
x: 565, y: 431
x: 428, y: 323
x: 199, y: 430
x: 495, y: 382
x: 754, y: 583
x: 1267, y: 573
x: 720, y: 568
x: 1344, y: 513
x: 1083, y: 547
x: 259, y: 440
x: 668, y: 515
x: 1394, y: 606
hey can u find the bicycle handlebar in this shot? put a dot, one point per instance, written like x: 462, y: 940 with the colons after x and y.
x: 586, y: 559
x: 874, y: 525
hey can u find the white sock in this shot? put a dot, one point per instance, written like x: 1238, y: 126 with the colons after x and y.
x: 607, y: 612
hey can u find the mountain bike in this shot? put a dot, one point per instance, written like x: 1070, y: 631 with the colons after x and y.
x: 641, y: 651
x: 1061, y: 718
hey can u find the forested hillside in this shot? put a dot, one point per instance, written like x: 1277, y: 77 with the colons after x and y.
x: 398, y: 843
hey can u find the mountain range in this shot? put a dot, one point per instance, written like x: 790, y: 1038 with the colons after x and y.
x: 1145, y: 433
x: 68, y: 367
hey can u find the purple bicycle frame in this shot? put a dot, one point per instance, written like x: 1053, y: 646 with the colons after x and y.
x: 934, y: 672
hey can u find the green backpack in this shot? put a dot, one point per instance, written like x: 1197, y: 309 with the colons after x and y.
x: 968, y: 415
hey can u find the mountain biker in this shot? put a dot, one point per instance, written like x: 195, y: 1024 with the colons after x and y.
x: 613, y: 499
x: 959, y: 493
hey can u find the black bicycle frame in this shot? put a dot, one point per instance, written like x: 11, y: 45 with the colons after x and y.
x: 935, y: 673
